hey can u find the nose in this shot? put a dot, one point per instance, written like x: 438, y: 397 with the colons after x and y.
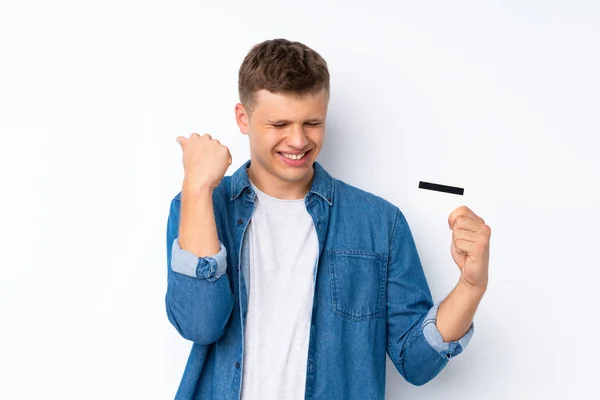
x: 297, y: 137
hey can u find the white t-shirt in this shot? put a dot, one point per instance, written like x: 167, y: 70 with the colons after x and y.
x: 283, y: 249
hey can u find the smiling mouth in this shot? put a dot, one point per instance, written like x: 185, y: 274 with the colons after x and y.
x: 295, y: 156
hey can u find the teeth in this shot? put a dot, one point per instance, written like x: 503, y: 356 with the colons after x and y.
x: 293, y: 157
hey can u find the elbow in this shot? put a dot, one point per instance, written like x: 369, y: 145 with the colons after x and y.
x: 424, y: 373
x: 429, y: 371
x: 202, y: 329
x: 419, y: 379
x: 206, y: 334
x: 199, y: 335
x: 419, y: 365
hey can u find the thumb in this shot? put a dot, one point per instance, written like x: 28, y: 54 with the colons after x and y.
x: 181, y: 140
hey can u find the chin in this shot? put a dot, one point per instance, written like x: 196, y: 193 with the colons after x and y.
x: 294, y: 174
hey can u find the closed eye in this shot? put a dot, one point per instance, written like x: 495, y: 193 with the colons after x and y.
x: 283, y: 125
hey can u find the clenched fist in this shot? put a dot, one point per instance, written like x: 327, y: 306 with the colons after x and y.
x: 470, y: 246
x: 205, y: 160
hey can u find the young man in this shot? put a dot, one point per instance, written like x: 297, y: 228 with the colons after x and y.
x: 292, y: 284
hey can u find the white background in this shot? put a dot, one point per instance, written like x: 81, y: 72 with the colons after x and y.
x: 499, y: 97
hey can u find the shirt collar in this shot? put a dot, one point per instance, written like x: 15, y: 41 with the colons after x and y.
x: 322, y: 183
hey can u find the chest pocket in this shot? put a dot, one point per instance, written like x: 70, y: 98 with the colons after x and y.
x: 358, y: 282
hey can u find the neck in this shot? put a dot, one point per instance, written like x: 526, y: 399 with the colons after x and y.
x: 283, y: 190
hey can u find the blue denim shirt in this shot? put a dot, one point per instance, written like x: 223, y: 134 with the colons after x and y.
x: 371, y: 296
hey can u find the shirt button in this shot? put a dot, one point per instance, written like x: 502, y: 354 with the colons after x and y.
x: 237, y: 365
x: 240, y: 221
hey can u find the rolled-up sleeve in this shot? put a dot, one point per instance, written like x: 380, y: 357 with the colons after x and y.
x: 415, y: 345
x: 434, y: 337
x: 210, y: 268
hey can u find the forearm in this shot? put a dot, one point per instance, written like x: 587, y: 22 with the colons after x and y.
x: 198, y: 229
x: 455, y: 314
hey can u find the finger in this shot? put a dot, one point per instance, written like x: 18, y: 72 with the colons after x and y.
x: 206, y: 135
x: 467, y: 247
x: 470, y: 224
x: 460, y: 212
x: 456, y: 250
x: 469, y: 220
x: 466, y: 235
x: 181, y: 140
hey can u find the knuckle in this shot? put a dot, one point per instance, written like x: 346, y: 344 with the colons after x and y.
x: 487, y: 230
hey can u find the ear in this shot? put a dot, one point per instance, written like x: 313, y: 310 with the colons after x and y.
x: 242, y: 119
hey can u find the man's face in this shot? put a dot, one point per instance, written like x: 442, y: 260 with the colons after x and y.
x: 286, y: 132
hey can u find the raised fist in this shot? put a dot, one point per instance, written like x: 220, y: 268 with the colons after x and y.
x: 205, y: 160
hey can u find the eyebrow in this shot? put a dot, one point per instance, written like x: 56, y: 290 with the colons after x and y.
x: 285, y: 121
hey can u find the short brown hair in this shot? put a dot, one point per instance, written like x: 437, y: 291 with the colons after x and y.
x: 281, y: 66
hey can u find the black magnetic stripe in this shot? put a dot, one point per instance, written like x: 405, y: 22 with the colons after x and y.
x: 441, y: 188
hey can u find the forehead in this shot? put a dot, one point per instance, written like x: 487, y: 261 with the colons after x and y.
x: 290, y: 105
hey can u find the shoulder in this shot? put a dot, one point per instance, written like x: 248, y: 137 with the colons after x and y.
x: 352, y: 196
x: 369, y: 213
x: 368, y: 209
